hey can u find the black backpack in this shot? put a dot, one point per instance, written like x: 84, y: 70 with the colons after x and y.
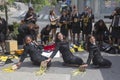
x: 114, y: 50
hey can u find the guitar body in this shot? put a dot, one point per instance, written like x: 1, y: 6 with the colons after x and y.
x: 53, y: 22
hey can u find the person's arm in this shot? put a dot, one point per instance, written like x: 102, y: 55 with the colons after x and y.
x: 22, y: 58
x: 90, y: 57
x: 53, y: 19
x: 54, y: 53
x: 28, y: 17
x: 93, y: 19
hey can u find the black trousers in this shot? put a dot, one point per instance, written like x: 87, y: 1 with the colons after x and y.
x: 74, y: 60
x: 102, y: 62
x: 38, y: 61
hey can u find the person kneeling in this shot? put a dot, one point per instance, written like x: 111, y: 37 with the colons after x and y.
x: 95, y: 55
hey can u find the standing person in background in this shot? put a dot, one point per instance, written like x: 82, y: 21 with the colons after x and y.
x: 64, y: 21
x: 116, y: 26
x: 30, y: 16
x: 85, y: 26
x: 91, y: 20
x: 3, y: 32
x: 53, y: 22
x: 83, y: 14
x: 76, y: 28
x: 69, y: 15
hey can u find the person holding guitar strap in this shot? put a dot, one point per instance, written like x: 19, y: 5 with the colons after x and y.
x: 53, y: 21
x: 76, y: 29
x: 64, y: 24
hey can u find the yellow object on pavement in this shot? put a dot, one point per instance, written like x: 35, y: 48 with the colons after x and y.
x: 3, y: 58
x: 75, y: 46
x: 72, y: 50
x: 78, y: 72
x: 8, y: 69
x: 80, y: 48
x: 43, y: 68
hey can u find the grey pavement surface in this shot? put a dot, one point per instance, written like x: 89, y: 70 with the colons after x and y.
x: 57, y: 71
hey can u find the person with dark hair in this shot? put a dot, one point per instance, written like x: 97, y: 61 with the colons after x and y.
x: 30, y: 16
x: 85, y: 26
x: 69, y: 25
x: 53, y: 22
x: 100, y: 29
x: 64, y: 24
x: 63, y: 46
x: 116, y: 26
x: 91, y: 20
x: 34, y: 52
x: 95, y: 54
x: 87, y: 20
x: 76, y: 27
x: 26, y: 29
x: 45, y: 34
x: 3, y: 32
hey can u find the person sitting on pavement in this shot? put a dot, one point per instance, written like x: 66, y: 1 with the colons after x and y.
x: 34, y: 52
x: 45, y: 34
x: 100, y: 30
x: 95, y: 55
x: 63, y: 46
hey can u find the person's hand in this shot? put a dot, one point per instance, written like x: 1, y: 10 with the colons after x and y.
x: 84, y: 65
x: 48, y: 60
x: 31, y: 17
x: 16, y: 66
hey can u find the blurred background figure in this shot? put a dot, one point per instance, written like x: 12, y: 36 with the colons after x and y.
x: 30, y: 16
x: 3, y: 32
x: 45, y: 35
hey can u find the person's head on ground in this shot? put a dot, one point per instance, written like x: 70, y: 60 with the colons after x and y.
x: 28, y: 39
x: 59, y: 37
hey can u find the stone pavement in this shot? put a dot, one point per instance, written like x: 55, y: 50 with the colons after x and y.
x: 59, y: 72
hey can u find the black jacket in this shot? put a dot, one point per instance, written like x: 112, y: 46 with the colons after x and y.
x: 94, y: 52
x: 63, y: 47
x: 33, y: 51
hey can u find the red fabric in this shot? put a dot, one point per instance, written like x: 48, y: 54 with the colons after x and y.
x: 49, y: 47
